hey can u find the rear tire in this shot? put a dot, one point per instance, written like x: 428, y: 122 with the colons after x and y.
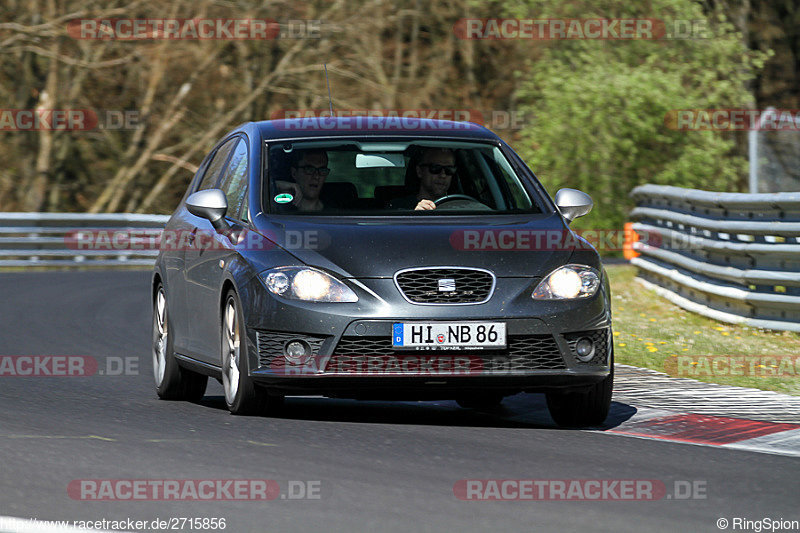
x: 172, y: 381
x: 582, y: 409
x: 242, y: 395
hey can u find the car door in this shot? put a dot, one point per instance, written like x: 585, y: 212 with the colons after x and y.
x: 174, y: 256
x: 198, y: 275
x: 207, y: 266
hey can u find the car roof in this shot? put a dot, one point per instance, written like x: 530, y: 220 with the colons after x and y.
x: 382, y: 126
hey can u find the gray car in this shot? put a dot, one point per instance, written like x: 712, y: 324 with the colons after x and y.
x: 379, y: 259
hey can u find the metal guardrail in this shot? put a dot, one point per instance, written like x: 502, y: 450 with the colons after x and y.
x: 77, y: 239
x: 732, y: 257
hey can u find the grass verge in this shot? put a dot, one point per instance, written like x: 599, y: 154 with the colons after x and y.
x: 651, y: 332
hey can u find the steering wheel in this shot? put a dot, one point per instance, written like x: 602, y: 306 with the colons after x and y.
x: 450, y: 197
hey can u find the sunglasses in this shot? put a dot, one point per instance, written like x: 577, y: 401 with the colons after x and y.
x: 433, y: 168
x: 310, y: 170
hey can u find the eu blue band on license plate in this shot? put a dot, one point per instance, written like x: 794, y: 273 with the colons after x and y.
x: 443, y: 335
x: 397, y: 334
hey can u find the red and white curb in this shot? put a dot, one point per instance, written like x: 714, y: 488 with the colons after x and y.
x: 726, y: 432
x: 707, y: 414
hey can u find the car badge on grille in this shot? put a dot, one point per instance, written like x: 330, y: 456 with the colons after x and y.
x: 447, y: 285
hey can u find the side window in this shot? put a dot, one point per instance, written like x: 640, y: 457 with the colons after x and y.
x: 245, y: 206
x: 234, y: 179
x: 513, y: 190
x: 212, y: 171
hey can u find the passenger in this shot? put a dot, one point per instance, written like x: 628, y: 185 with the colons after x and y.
x: 309, y: 170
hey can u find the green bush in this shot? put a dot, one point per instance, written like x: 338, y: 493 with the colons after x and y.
x: 595, y: 110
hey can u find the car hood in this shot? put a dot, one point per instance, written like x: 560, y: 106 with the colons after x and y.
x: 509, y: 246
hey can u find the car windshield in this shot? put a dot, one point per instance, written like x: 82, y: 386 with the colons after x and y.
x: 349, y: 177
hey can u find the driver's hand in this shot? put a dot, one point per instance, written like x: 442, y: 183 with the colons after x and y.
x: 425, y: 205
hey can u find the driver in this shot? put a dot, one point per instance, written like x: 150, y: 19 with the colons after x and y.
x: 435, y: 170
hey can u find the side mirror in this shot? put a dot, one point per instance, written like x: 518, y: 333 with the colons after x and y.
x: 212, y: 205
x: 573, y: 203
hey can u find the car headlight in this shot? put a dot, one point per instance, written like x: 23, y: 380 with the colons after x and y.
x: 308, y: 284
x: 568, y: 282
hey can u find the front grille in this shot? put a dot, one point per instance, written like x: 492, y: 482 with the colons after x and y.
x: 524, y: 353
x: 601, y: 338
x: 271, y: 343
x: 423, y: 285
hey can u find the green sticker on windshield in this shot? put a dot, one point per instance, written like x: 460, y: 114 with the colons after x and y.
x: 284, y: 198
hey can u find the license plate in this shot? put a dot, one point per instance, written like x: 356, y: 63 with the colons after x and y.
x: 448, y: 335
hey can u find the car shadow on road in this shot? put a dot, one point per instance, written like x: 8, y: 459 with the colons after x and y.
x: 519, y: 411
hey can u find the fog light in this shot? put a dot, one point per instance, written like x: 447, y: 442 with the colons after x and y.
x: 297, y: 351
x: 585, y: 349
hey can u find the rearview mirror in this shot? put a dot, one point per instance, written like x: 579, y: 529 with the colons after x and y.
x: 380, y: 161
x: 573, y: 203
x: 212, y: 205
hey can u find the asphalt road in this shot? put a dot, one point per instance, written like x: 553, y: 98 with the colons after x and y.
x: 380, y: 466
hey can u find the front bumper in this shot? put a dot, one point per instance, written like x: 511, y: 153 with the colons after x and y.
x: 352, y: 355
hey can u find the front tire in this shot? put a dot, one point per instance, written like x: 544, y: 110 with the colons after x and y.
x: 242, y: 395
x: 582, y: 409
x: 172, y: 381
